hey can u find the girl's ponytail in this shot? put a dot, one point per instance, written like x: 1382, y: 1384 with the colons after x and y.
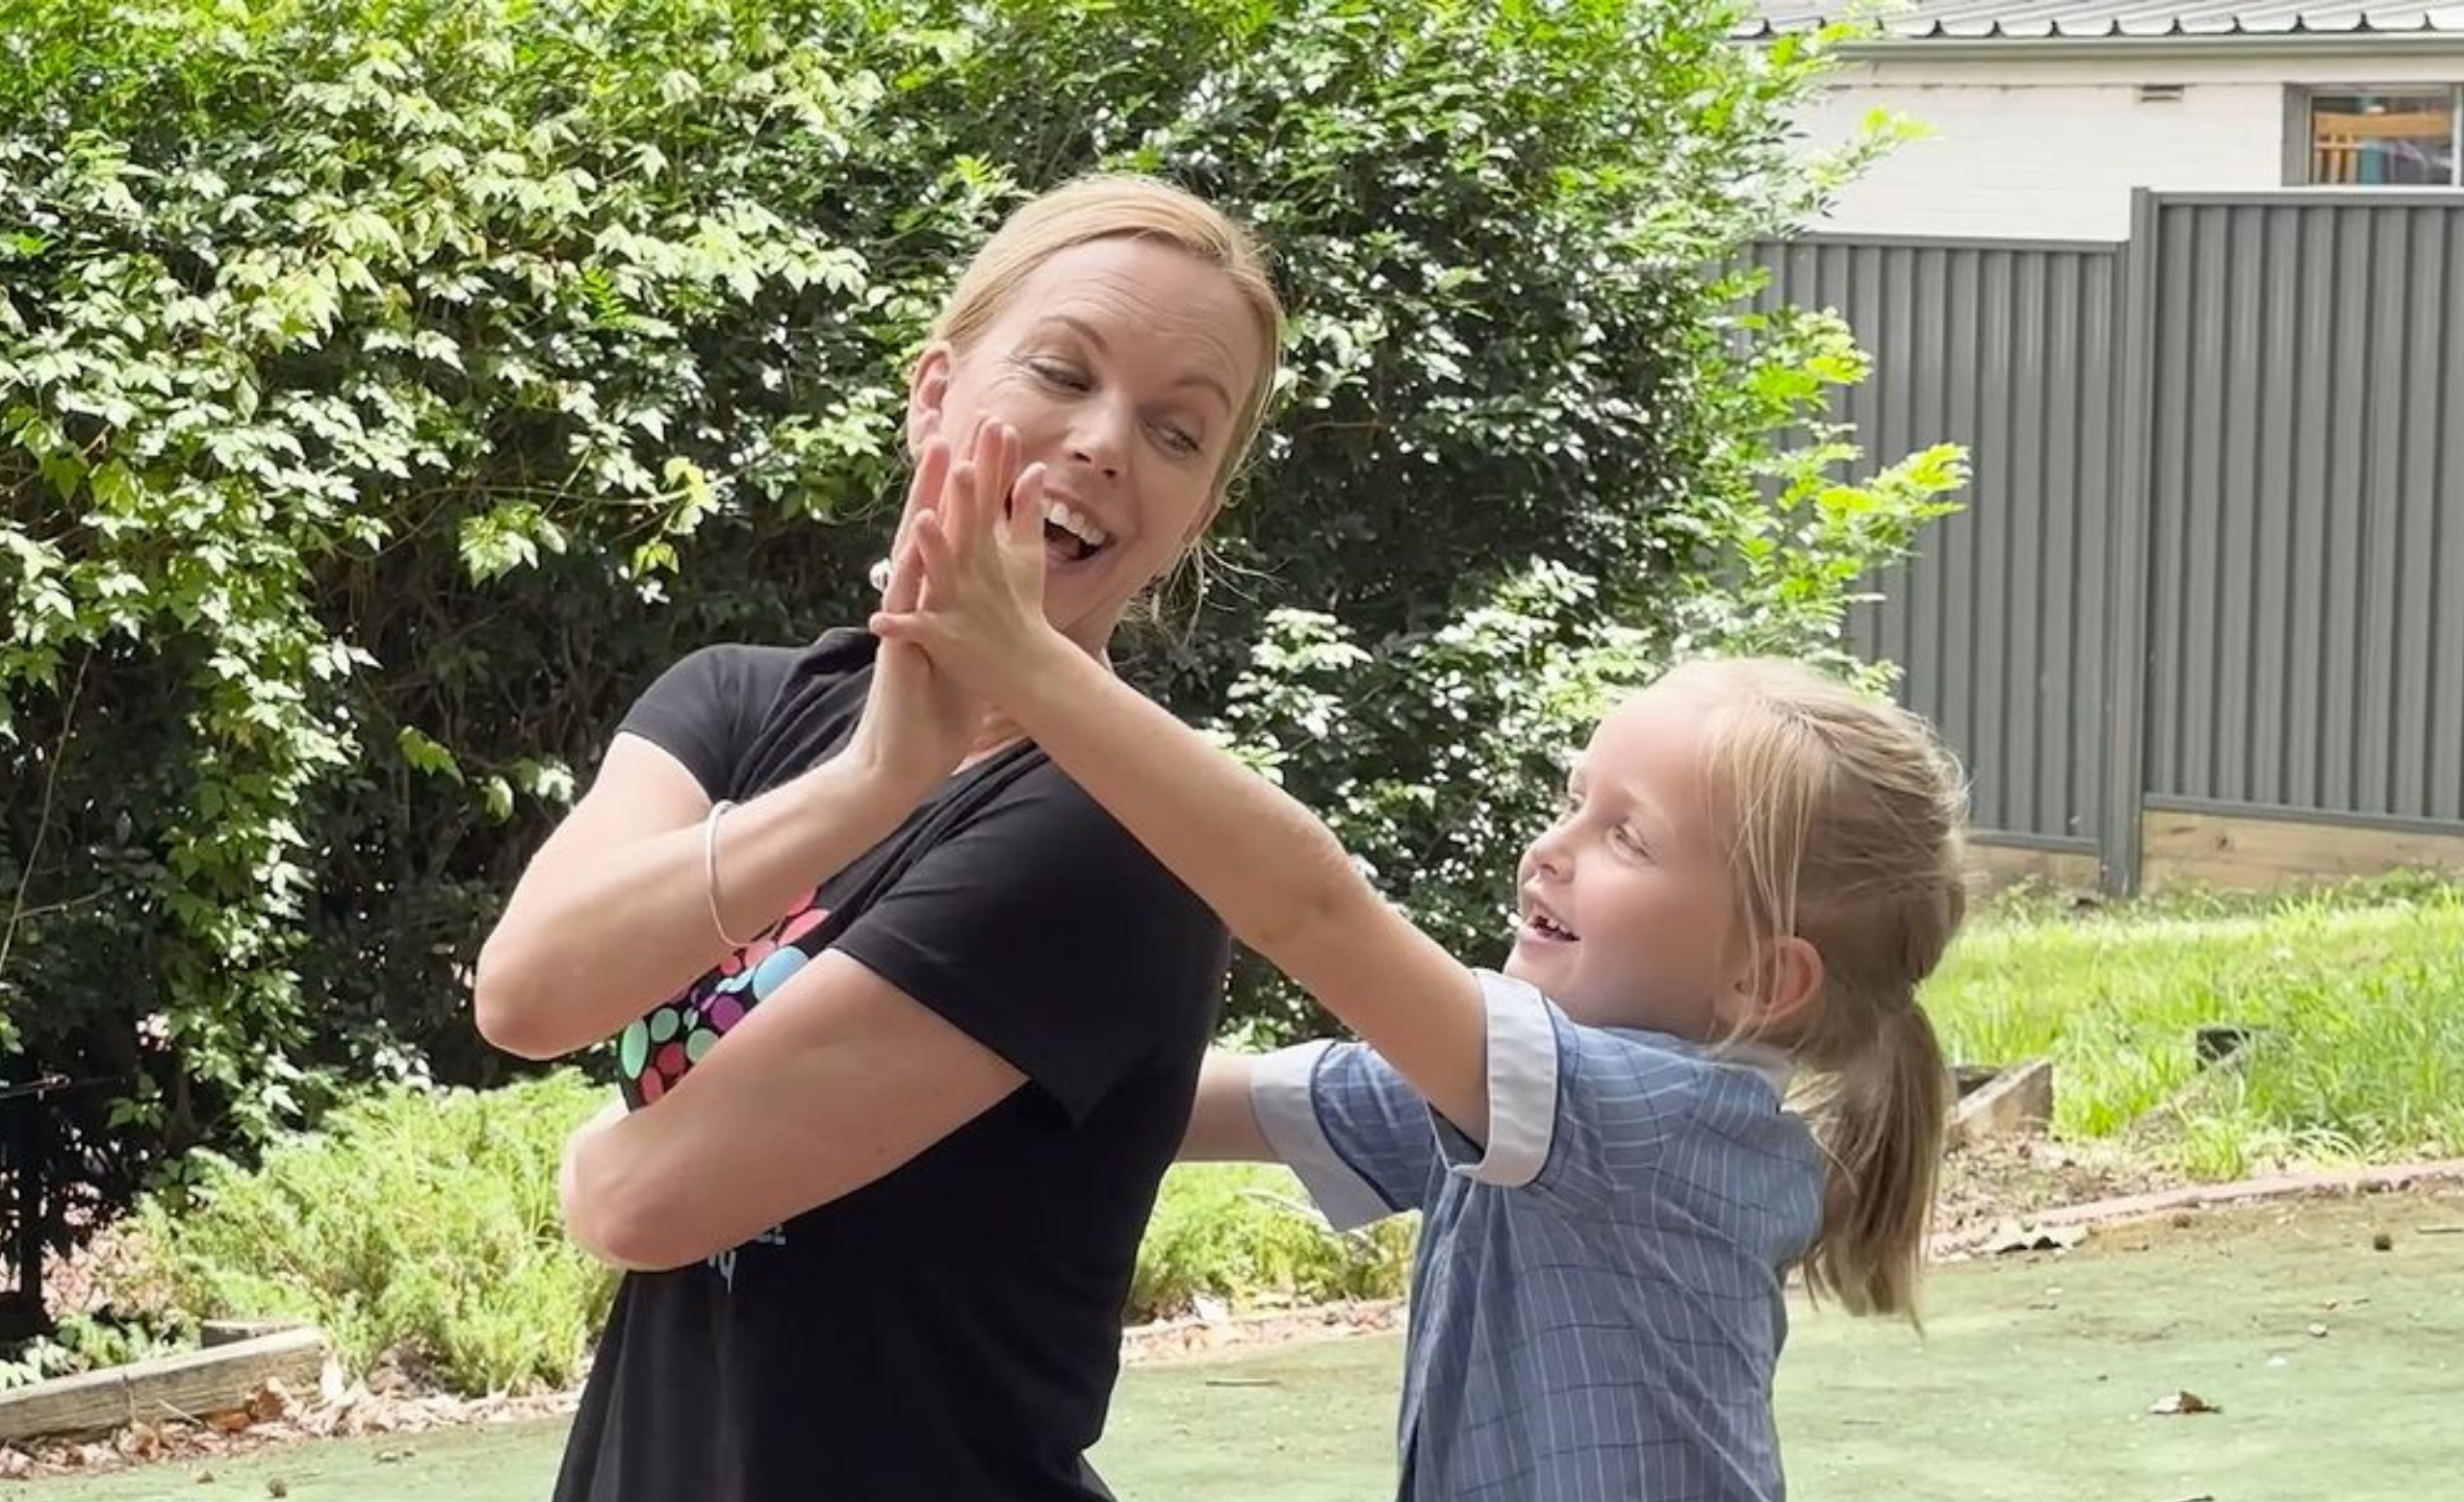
x: 1882, y: 1129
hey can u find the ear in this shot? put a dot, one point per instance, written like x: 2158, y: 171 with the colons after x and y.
x: 1772, y: 996
x: 928, y: 390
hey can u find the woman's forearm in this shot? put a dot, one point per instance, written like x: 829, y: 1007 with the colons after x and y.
x: 606, y: 926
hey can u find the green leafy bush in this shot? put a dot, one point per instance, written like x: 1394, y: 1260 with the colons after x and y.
x: 1246, y: 1235
x: 418, y: 1225
x: 85, y: 1343
x: 421, y: 1225
x: 388, y: 390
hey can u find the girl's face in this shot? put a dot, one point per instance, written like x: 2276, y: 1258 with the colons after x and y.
x: 1624, y: 902
x: 1123, y: 365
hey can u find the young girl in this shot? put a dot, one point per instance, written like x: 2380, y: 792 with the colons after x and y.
x: 1755, y: 869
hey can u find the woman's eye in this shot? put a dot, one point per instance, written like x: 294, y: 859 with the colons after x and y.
x: 1178, y: 439
x: 1054, y: 372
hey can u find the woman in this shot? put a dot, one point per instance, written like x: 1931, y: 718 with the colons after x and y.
x: 880, y: 1236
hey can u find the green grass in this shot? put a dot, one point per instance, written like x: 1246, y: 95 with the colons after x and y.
x: 2358, y: 996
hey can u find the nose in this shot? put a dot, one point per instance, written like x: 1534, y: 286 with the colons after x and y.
x: 1551, y: 854
x: 1100, y: 438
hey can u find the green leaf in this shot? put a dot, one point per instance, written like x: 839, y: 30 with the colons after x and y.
x: 425, y: 756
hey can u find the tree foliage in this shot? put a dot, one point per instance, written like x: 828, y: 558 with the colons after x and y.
x: 389, y: 389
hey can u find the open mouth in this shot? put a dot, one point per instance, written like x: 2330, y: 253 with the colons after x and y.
x: 1070, y: 535
x: 1538, y: 924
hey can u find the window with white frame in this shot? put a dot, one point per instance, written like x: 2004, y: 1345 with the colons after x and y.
x: 2408, y: 136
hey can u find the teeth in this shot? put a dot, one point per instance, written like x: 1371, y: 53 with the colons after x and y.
x: 1076, y: 523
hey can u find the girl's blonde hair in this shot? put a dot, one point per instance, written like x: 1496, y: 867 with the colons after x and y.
x: 1123, y: 206
x: 1845, y: 815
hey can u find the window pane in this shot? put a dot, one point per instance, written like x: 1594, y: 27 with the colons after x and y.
x: 2390, y: 139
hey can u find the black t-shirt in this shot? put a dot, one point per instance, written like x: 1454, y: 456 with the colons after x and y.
x: 950, y: 1332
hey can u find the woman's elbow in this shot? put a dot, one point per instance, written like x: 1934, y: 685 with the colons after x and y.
x: 615, y: 1217
x: 505, y: 1004
x: 630, y: 1242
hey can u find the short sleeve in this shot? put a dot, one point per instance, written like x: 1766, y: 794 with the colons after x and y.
x: 704, y: 710
x: 1351, y: 1128
x: 1575, y: 1112
x: 1042, y: 930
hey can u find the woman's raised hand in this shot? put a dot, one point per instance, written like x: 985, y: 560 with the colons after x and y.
x: 919, y: 719
x: 979, y: 617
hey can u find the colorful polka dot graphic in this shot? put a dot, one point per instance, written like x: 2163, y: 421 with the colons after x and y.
x: 656, y: 1051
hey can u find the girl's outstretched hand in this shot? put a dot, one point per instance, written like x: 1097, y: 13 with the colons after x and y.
x: 979, y: 618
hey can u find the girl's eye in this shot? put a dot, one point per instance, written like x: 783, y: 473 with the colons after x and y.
x: 1176, y: 439
x: 1627, y: 837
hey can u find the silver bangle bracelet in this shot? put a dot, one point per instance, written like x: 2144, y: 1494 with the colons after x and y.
x: 711, y: 873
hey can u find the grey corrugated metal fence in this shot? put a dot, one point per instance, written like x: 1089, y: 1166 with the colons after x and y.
x: 2213, y: 558
x: 2309, y: 503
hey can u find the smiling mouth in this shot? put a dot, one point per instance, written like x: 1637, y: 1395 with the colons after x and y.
x: 1070, y: 535
x: 1537, y: 925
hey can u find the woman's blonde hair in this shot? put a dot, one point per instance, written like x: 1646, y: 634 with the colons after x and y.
x: 1845, y: 819
x: 1124, y: 206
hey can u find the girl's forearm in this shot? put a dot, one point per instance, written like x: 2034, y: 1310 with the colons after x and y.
x: 1268, y: 868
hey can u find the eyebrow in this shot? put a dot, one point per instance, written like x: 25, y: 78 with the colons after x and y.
x: 1087, y: 331
x: 1640, y: 801
x: 1653, y: 816
x: 1640, y: 797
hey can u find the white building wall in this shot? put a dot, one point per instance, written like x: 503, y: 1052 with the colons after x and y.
x: 2046, y: 146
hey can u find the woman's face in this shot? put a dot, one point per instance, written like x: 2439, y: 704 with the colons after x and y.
x: 1123, y: 364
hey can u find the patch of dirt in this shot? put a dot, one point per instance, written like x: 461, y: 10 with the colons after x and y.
x: 1991, y: 1181
x: 385, y: 1405
x: 2368, y: 1219
x: 1213, y: 1331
